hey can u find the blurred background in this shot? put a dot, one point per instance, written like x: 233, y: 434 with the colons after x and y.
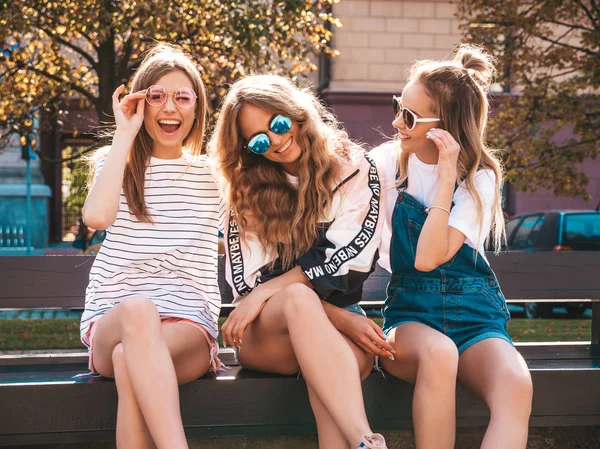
x: 61, y: 61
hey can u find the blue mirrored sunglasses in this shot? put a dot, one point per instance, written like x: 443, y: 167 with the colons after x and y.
x: 260, y: 143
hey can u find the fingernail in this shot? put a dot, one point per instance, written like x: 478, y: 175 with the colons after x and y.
x: 391, y: 358
x: 428, y: 135
x: 393, y: 351
x: 241, y: 341
x: 239, y: 348
x: 431, y: 129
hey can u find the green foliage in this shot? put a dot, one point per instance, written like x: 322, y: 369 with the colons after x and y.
x: 58, y: 50
x: 548, y: 55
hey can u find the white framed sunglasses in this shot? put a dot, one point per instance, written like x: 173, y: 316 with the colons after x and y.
x: 185, y: 97
x: 409, y: 117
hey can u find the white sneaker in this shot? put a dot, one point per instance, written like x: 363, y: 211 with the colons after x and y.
x: 375, y: 441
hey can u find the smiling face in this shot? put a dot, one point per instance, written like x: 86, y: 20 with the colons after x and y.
x: 415, y: 98
x: 168, y: 125
x: 284, y: 148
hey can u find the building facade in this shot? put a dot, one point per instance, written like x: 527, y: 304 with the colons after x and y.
x: 379, y: 41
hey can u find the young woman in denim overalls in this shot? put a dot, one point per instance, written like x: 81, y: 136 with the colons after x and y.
x: 445, y: 313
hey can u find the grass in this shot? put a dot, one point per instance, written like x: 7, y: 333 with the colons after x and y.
x: 64, y: 333
x: 60, y: 333
x: 523, y: 330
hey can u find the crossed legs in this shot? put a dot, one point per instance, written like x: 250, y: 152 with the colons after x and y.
x: 293, y: 333
x: 148, y: 361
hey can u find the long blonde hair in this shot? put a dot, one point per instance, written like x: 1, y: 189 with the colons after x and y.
x: 284, y: 218
x: 458, y: 90
x: 159, y: 61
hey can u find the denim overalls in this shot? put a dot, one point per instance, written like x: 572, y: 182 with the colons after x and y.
x: 460, y: 298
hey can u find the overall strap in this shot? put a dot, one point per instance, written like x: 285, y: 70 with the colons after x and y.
x: 455, y: 189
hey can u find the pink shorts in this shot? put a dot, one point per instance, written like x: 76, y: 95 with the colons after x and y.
x: 215, y: 363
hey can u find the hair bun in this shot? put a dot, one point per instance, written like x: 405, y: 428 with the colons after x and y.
x: 477, y: 62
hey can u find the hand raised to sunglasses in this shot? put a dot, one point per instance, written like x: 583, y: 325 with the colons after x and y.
x: 448, y: 156
x: 129, y: 112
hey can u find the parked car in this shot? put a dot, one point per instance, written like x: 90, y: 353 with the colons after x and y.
x: 554, y: 231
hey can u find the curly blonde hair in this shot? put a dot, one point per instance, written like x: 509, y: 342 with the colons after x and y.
x: 284, y: 217
x: 458, y: 90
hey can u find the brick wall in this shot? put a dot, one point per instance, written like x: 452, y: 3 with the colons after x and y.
x: 380, y: 39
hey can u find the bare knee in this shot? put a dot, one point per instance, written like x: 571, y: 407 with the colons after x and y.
x: 438, y: 359
x: 514, y: 394
x: 522, y: 388
x: 139, y: 316
x: 299, y: 300
x: 117, y: 368
x: 299, y: 291
x: 118, y: 359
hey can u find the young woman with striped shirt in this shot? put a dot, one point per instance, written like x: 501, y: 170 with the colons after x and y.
x: 152, y: 303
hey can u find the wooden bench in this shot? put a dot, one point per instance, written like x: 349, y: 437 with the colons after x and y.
x: 53, y: 401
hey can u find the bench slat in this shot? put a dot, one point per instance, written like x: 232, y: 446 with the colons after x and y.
x: 60, y: 281
x: 272, y: 405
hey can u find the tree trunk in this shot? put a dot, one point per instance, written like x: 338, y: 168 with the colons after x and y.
x: 107, y: 79
x: 107, y: 70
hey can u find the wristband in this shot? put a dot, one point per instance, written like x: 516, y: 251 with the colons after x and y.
x: 437, y: 207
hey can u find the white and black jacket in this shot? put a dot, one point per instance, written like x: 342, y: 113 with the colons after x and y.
x: 344, y: 252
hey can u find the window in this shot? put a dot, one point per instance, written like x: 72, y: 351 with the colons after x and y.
x: 511, y: 225
x: 582, y: 231
x: 526, y: 234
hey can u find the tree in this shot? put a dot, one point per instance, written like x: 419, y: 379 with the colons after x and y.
x: 548, y: 55
x: 56, y: 50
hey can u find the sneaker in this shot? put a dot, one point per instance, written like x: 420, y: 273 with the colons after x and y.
x: 375, y: 441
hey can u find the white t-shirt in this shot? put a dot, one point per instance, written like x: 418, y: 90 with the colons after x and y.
x: 172, y: 261
x: 422, y: 182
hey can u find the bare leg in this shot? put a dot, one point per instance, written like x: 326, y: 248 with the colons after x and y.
x: 135, y: 324
x: 330, y: 435
x: 495, y: 370
x: 428, y: 359
x: 294, y: 332
x: 190, y: 351
x: 132, y: 431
